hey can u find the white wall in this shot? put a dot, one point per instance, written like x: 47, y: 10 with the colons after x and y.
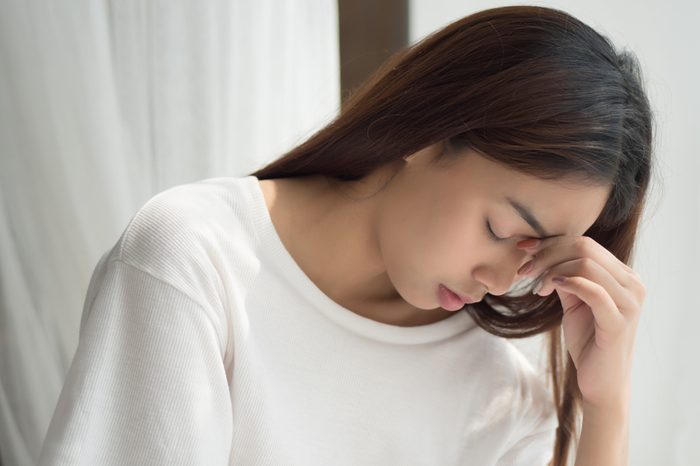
x: 666, y: 376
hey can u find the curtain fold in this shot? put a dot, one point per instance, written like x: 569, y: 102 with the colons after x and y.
x: 102, y: 105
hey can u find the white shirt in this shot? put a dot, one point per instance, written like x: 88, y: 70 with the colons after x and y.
x: 202, y: 342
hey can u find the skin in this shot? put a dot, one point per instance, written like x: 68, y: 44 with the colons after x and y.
x: 381, y: 246
x: 383, y: 255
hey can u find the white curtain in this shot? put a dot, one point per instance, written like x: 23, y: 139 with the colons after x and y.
x: 102, y: 105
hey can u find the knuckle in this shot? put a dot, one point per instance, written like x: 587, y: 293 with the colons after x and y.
x: 586, y: 264
x: 642, y: 290
x: 638, y: 291
x: 582, y: 243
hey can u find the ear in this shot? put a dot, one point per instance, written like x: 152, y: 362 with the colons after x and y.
x: 427, y: 153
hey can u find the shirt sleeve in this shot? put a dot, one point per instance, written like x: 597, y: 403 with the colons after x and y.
x: 147, y: 383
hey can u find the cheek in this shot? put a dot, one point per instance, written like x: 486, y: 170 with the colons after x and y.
x: 452, y: 243
x: 422, y: 237
x: 453, y: 231
x: 457, y: 249
x: 453, y: 226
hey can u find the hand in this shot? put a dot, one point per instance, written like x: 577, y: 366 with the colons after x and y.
x: 602, y: 299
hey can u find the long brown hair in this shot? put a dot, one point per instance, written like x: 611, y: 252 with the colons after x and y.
x: 529, y: 87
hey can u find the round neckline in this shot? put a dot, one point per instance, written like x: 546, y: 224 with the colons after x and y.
x: 275, y: 249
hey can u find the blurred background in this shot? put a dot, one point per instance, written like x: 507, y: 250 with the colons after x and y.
x: 105, y: 103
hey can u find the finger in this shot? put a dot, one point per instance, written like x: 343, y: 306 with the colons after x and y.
x: 593, y: 271
x: 605, y: 313
x: 556, y: 250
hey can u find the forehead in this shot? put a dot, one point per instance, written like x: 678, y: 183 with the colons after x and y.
x: 563, y: 206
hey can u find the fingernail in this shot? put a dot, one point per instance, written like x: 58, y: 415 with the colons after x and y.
x: 528, y: 243
x: 526, y: 267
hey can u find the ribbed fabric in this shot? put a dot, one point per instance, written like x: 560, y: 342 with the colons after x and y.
x: 202, y: 342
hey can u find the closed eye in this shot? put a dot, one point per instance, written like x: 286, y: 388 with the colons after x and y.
x: 491, y: 233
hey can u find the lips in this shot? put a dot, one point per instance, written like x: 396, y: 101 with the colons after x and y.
x: 465, y: 298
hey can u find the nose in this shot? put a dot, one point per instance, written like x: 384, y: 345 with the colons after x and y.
x: 499, y: 287
x: 500, y: 277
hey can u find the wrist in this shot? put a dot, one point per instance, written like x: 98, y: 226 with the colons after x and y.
x: 611, y: 422
x: 614, y: 404
x: 596, y: 411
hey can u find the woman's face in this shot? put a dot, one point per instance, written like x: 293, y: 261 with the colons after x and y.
x: 435, y: 222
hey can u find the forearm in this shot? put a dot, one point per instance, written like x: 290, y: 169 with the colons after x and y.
x: 604, y: 437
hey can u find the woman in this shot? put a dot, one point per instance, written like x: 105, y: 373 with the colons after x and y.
x: 346, y: 303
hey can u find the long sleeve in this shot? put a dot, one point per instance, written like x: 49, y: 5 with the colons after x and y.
x: 147, y: 384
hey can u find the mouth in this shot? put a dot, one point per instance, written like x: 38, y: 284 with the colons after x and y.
x: 465, y: 299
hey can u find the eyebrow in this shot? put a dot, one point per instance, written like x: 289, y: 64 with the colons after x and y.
x: 529, y: 217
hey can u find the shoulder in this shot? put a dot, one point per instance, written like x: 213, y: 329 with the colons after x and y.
x: 180, y: 209
x: 178, y: 236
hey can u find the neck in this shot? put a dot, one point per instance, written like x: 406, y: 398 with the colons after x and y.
x: 329, y: 228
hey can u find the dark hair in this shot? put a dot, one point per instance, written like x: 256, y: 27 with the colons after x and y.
x: 529, y: 87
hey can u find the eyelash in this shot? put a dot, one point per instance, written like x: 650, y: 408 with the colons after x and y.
x: 491, y: 233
